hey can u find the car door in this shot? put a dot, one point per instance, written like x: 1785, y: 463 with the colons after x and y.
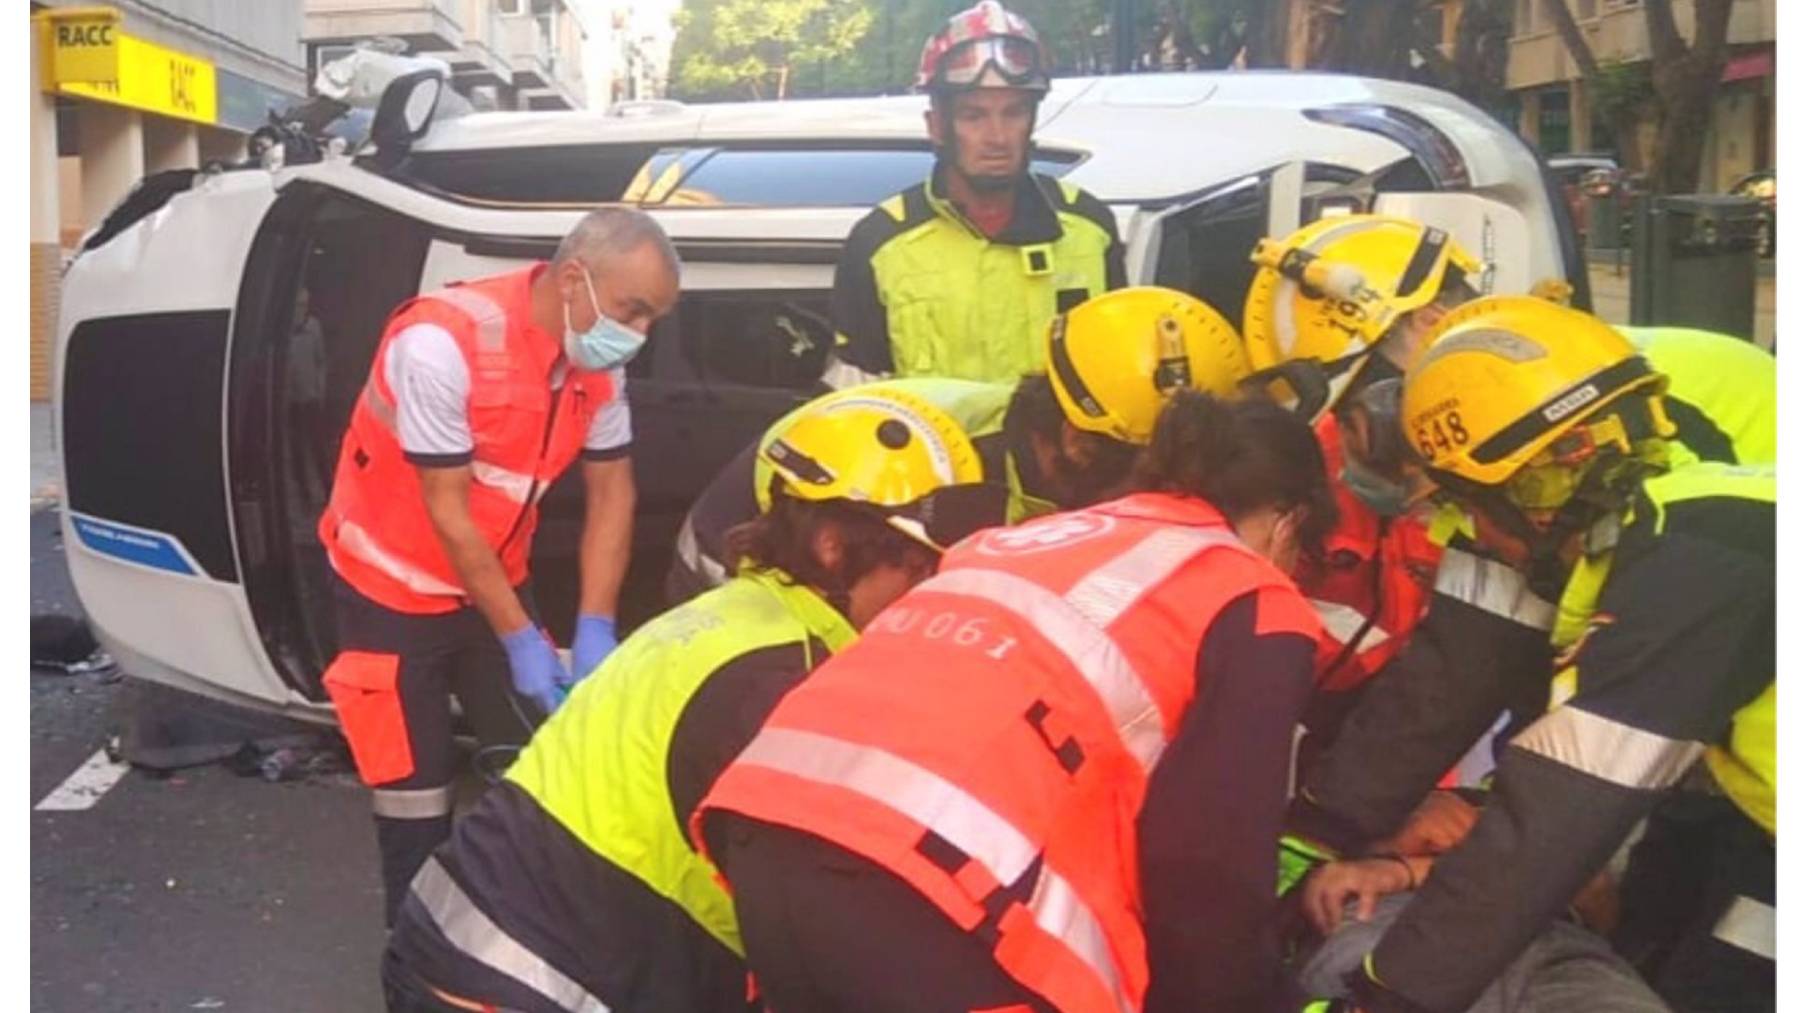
x: 1202, y: 245
x: 325, y: 272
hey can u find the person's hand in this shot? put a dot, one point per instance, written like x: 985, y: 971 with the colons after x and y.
x: 537, y: 673
x: 595, y: 638
x: 1437, y: 825
x: 1324, y: 893
x: 1597, y: 905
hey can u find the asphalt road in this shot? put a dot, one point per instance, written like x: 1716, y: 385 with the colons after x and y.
x: 200, y: 890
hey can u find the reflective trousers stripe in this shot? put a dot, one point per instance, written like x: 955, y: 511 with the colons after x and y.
x: 359, y: 543
x: 1748, y: 924
x: 887, y: 780
x: 1086, y: 647
x: 412, y: 803
x: 1492, y: 587
x: 1610, y: 750
x: 470, y: 930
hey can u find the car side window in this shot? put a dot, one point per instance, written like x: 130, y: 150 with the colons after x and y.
x: 752, y: 337
x: 1205, y: 248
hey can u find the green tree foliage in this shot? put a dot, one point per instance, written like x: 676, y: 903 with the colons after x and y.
x: 793, y: 48
x: 758, y: 48
x: 740, y: 49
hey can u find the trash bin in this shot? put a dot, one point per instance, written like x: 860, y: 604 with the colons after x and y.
x: 1693, y: 263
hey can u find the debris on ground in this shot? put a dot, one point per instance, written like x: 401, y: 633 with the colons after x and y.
x: 61, y: 643
x: 292, y: 758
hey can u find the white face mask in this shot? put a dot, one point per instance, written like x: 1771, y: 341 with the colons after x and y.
x: 605, y: 345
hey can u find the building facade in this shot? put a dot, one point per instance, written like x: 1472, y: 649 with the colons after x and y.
x: 503, y: 54
x: 1554, y: 107
x: 137, y: 87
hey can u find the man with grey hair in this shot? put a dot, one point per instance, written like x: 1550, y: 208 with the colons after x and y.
x: 480, y: 395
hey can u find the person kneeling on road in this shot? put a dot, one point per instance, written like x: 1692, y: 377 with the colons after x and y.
x: 1066, y: 438
x: 570, y: 885
x: 1052, y: 776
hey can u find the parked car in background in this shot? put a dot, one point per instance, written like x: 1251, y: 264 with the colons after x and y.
x: 217, y: 330
x: 1760, y: 186
x: 1570, y: 173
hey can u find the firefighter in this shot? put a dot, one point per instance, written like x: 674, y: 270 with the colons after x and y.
x: 1556, y: 440
x: 1335, y: 312
x: 1066, y: 437
x: 1050, y: 777
x: 1486, y: 622
x: 958, y: 275
x: 570, y: 886
x: 480, y: 395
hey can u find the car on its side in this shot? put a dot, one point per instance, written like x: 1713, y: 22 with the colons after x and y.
x: 216, y: 330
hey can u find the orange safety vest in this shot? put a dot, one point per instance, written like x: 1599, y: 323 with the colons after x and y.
x: 376, y: 531
x: 1373, y: 584
x: 991, y: 736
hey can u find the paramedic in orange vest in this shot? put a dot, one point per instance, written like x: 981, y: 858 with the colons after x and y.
x: 1051, y: 776
x: 480, y: 395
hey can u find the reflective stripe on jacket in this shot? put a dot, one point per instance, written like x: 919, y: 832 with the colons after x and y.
x: 574, y: 872
x: 375, y: 528
x: 1744, y: 764
x: 990, y: 738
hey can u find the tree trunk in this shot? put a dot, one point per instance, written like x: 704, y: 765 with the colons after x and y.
x: 781, y: 82
x: 1686, y: 77
x: 1372, y: 37
x: 1681, y: 139
x: 1267, y: 34
x: 1481, y: 52
x: 1623, y: 122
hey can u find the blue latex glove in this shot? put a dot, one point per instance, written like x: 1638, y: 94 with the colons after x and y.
x: 537, y: 673
x: 595, y: 638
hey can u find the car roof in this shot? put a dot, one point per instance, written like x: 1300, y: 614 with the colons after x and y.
x: 1143, y: 135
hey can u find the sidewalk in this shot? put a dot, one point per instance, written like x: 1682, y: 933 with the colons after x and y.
x: 1612, y: 298
x: 46, y: 476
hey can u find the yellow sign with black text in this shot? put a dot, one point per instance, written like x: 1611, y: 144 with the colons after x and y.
x: 147, y: 76
x: 84, y: 44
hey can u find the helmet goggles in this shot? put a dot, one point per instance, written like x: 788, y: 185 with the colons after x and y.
x: 1555, y: 475
x: 1018, y: 62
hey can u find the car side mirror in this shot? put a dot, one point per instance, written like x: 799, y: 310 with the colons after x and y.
x: 404, y: 115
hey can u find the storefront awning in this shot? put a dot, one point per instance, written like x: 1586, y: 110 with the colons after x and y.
x: 1744, y: 66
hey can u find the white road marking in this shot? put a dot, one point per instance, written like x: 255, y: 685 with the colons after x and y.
x: 84, y: 787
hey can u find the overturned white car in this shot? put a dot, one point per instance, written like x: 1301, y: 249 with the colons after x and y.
x: 217, y: 328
